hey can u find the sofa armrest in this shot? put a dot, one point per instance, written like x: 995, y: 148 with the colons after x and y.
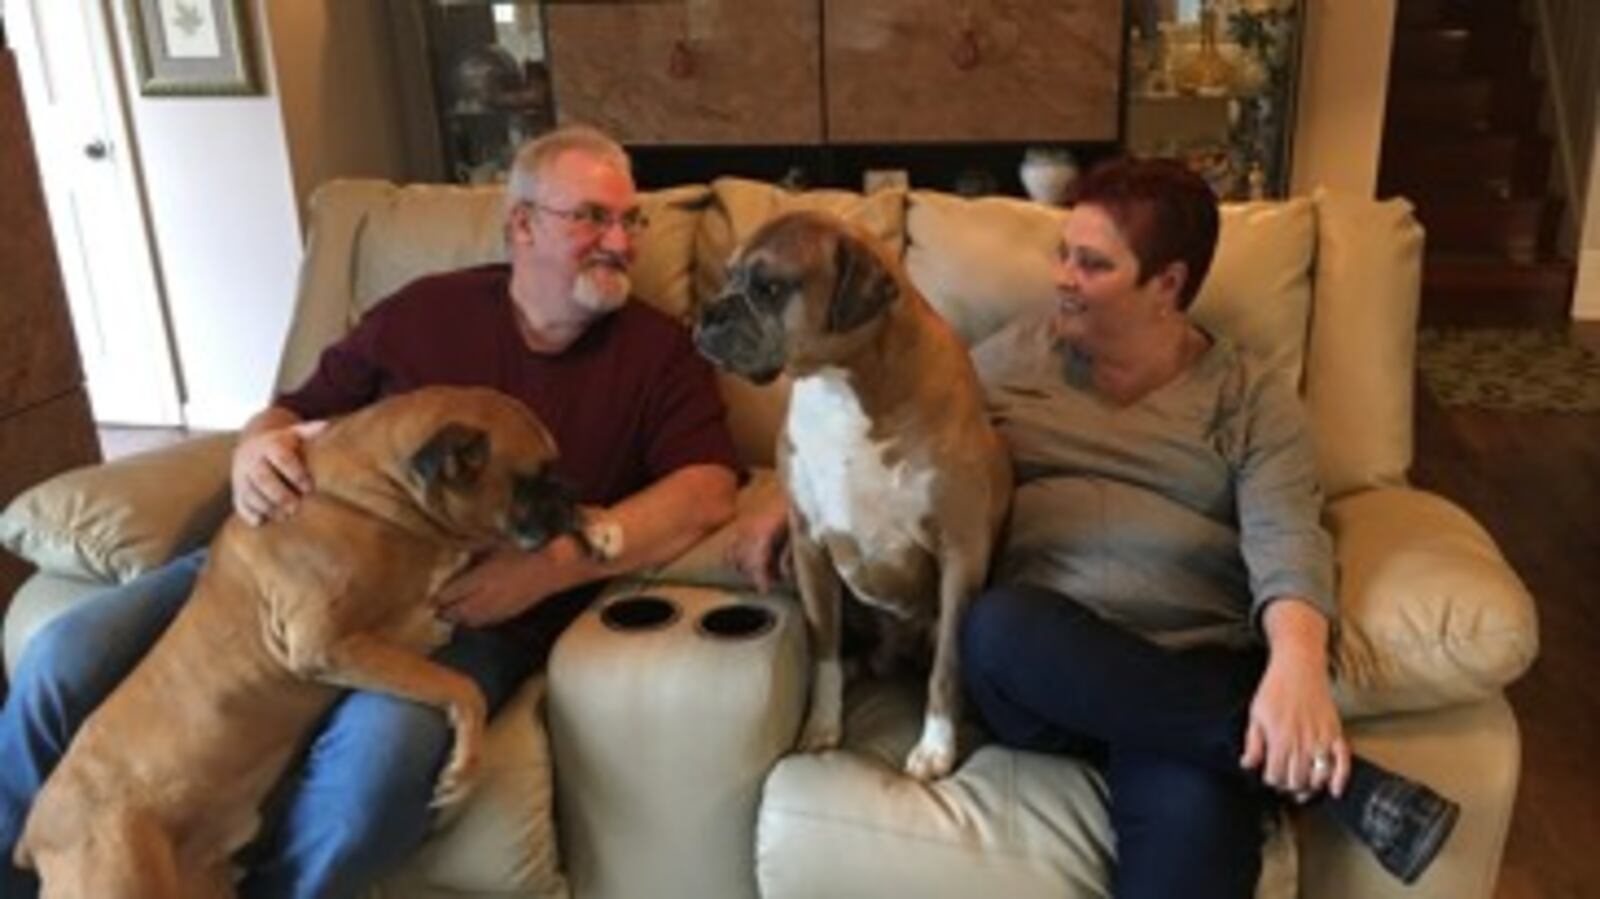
x: 115, y: 521
x: 1430, y: 613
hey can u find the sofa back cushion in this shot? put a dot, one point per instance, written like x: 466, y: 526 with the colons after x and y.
x: 1361, y: 352
x: 370, y: 238
x: 1259, y: 290
x: 980, y: 262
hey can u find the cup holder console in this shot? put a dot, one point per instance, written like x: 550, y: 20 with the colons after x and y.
x: 639, y: 613
x: 737, y: 622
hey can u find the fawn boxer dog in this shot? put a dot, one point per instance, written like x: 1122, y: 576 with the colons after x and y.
x: 164, y: 781
x: 897, y: 483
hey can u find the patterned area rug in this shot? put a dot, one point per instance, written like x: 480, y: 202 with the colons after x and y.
x: 1521, y: 370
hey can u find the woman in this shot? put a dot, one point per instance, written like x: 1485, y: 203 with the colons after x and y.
x: 1164, y: 602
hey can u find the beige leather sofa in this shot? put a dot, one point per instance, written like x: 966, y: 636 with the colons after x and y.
x: 669, y: 719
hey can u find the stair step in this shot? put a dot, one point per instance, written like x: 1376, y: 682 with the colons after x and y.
x: 1421, y: 12
x: 1431, y: 52
x: 1510, y: 229
x: 1471, y: 103
x: 1490, y: 164
x: 1460, y: 290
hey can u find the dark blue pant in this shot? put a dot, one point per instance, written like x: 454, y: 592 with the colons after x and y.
x: 1167, y: 728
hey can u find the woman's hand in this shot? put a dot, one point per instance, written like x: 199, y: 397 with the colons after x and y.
x: 760, y: 547
x: 1294, y: 736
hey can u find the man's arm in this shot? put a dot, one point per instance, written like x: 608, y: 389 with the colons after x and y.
x: 657, y: 524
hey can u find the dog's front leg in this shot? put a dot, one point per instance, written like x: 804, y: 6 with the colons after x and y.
x: 365, y: 662
x: 820, y: 594
x: 960, y: 578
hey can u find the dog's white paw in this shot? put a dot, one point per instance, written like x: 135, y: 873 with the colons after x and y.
x: 935, y: 754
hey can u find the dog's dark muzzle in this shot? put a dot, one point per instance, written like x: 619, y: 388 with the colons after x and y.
x: 732, y: 334
x: 543, y: 508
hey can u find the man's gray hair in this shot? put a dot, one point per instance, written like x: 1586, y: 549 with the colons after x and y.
x: 537, y: 154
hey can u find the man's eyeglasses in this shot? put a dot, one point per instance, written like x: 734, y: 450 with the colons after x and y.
x: 597, y: 219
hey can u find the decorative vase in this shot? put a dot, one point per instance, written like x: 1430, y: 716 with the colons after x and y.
x: 1048, y: 175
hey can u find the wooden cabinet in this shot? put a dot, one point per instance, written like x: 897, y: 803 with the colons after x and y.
x: 45, y: 425
x: 692, y: 72
x: 769, y: 72
x: 902, y: 71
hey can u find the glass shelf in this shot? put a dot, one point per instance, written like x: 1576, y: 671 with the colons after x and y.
x: 490, y: 79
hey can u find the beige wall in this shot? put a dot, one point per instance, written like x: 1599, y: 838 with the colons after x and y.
x: 336, y: 89
x: 1586, y: 299
x: 1344, y: 79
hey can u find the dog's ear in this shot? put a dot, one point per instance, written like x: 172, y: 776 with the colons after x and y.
x: 455, y: 455
x: 863, y: 285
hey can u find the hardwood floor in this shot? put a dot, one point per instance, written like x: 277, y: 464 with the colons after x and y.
x: 1534, y: 481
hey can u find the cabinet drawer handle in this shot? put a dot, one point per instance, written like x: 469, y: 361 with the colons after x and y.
x: 681, y: 64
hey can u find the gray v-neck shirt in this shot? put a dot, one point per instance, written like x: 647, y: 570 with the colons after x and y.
x: 1179, y: 516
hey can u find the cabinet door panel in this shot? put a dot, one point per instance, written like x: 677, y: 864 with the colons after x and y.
x: 38, y: 356
x: 695, y: 72
x: 979, y: 70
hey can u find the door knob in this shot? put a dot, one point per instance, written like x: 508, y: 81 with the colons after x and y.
x: 96, y: 149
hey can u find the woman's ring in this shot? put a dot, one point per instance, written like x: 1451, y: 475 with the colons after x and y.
x: 1320, y: 764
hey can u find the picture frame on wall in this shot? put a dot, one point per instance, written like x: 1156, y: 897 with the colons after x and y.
x: 193, y: 47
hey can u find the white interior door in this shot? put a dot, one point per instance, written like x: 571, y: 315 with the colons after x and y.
x: 91, y: 181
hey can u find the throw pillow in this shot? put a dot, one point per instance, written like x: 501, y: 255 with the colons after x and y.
x: 113, y: 522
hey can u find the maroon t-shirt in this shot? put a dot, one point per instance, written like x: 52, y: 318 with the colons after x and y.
x: 629, y: 402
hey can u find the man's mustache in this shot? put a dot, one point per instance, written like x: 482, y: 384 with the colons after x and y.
x: 610, y: 260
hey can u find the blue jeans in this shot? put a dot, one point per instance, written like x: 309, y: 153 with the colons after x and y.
x: 354, y: 809
x: 1166, y: 728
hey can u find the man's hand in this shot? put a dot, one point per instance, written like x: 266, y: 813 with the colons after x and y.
x: 500, y: 586
x: 1294, y: 734
x: 269, y: 472
x: 760, y: 547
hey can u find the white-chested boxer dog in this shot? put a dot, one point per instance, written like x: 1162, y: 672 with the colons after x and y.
x: 164, y: 781
x: 897, y: 483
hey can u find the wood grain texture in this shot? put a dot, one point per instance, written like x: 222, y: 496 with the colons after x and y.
x: 38, y: 357
x: 1533, y: 480
x: 696, y: 72
x: 45, y: 439
x: 978, y: 70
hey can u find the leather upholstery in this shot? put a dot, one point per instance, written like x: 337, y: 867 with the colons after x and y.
x: 683, y: 734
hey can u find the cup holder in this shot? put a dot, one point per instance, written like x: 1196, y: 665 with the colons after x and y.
x: 639, y: 613
x: 737, y: 622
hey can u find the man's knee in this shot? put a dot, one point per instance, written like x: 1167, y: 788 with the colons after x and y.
x: 381, y: 747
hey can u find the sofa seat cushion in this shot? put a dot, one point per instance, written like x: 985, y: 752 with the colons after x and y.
x: 1430, y: 613
x: 113, y: 522
x: 1007, y: 823
x: 503, y: 838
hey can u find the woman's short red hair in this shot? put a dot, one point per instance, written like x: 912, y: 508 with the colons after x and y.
x: 1166, y: 212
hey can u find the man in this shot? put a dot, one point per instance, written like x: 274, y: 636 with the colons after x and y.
x: 635, y: 413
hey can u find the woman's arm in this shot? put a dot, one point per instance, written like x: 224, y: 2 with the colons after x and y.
x: 1293, y: 719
